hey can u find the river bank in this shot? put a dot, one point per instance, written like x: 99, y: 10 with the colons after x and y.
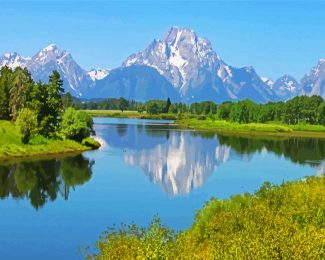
x: 225, y: 127
x: 11, y: 146
x: 56, y: 147
x: 129, y: 114
x: 253, y: 129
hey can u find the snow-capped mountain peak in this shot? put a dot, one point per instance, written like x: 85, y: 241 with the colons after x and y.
x: 319, y: 68
x: 181, y: 57
x: 314, y: 82
x: 51, y: 52
x: 13, y: 60
x: 191, y: 65
x: 43, y: 63
x: 285, y: 87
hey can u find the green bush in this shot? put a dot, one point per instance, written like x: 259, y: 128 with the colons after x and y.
x: 27, y: 123
x: 76, y: 125
x: 133, y: 242
x: 277, y: 222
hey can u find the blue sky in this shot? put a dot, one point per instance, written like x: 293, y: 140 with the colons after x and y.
x: 276, y: 37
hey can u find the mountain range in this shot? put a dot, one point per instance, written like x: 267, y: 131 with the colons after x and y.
x: 181, y: 65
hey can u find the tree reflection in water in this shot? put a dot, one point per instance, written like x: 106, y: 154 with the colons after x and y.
x: 43, y: 181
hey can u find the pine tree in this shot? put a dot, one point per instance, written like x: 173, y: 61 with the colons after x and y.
x: 168, y: 103
x: 53, y: 108
x: 22, y: 85
x: 6, y: 75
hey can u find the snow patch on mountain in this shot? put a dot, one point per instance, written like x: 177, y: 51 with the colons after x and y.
x: 285, y: 87
x: 268, y: 81
x: 98, y: 74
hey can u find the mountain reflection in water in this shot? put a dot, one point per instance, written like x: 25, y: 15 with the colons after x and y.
x: 180, y: 161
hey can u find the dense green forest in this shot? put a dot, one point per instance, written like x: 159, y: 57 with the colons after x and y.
x: 277, y: 222
x: 299, y: 110
x: 41, y: 111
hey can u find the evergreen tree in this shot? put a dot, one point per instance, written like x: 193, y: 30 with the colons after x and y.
x: 124, y: 104
x: 168, y: 103
x: 22, y: 85
x: 53, y: 107
x: 67, y: 100
x: 6, y: 75
x: 321, y: 114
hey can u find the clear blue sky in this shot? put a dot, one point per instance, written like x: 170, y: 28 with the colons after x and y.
x: 276, y: 37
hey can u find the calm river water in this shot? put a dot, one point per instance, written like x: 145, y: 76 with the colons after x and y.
x: 49, y: 209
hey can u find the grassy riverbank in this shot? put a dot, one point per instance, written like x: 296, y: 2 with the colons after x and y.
x: 277, y: 222
x: 271, y: 129
x: 129, y: 114
x: 11, y: 145
x: 190, y: 121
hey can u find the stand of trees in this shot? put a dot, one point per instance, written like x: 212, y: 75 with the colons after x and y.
x: 39, y: 108
x: 299, y: 110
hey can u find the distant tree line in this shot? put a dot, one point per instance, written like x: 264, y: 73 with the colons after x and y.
x: 299, y: 110
x: 39, y: 108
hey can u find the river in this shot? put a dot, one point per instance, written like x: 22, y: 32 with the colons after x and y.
x: 53, y: 208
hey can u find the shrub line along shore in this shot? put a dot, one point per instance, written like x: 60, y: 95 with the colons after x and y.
x: 221, y: 126
x: 276, y: 222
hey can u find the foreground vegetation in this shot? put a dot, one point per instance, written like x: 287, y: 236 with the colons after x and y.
x: 277, y: 222
x: 35, y: 118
